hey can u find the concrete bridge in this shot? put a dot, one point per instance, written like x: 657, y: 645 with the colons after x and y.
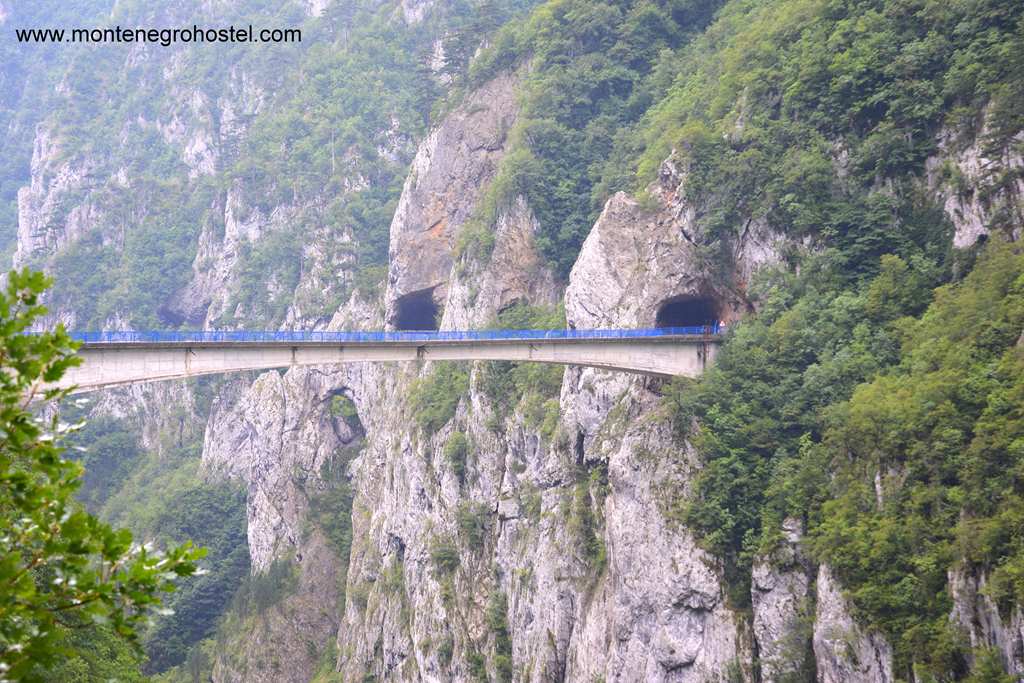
x: 118, y: 358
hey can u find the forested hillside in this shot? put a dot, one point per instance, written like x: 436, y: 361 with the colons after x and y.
x: 838, y: 498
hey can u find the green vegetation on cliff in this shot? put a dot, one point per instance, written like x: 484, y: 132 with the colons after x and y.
x: 816, y: 118
x: 591, y: 76
x: 894, y: 439
x: 435, y: 397
x: 758, y: 107
x: 532, y: 388
x: 160, y: 495
x: 927, y: 464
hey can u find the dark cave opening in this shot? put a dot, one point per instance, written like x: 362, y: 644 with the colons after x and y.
x: 417, y: 311
x: 170, y: 317
x: 687, y: 311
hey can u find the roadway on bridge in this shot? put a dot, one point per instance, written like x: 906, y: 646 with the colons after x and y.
x: 113, y: 358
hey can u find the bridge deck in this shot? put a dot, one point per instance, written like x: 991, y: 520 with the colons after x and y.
x: 117, y: 358
x: 405, y: 343
x: 213, y: 338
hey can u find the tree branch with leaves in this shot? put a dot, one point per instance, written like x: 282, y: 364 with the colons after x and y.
x: 60, y: 567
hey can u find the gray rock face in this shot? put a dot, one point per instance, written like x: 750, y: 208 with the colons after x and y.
x: 636, y: 259
x: 414, y: 11
x: 208, y: 298
x: 658, y: 612
x: 978, y: 617
x: 514, y: 273
x: 164, y: 413
x: 44, y: 223
x: 275, y: 646
x: 782, y: 607
x: 278, y: 437
x: 969, y: 182
x: 843, y: 650
x: 452, y: 167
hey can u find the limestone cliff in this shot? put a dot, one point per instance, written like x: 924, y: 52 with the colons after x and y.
x: 553, y: 551
x: 979, y: 187
x: 844, y: 652
x: 278, y: 437
x: 648, y: 603
x: 980, y: 619
x: 453, y: 164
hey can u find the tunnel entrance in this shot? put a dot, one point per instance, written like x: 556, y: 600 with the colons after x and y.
x: 687, y: 311
x: 416, y: 311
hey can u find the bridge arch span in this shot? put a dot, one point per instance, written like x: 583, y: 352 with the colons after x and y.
x: 115, y: 359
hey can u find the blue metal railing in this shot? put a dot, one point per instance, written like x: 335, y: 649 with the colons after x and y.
x: 232, y: 336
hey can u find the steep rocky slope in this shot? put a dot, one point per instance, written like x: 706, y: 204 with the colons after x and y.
x: 535, y: 536
x: 648, y: 604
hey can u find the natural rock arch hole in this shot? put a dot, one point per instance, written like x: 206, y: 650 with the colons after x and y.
x: 416, y: 311
x: 342, y: 407
x: 687, y: 311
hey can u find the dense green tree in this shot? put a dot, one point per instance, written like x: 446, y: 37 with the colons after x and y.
x: 435, y: 397
x: 927, y: 461
x: 895, y: 440
x: 60, y: 567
